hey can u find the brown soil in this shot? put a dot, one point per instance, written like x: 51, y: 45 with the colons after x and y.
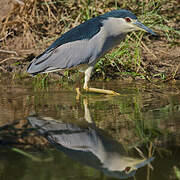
x: 24, y: 34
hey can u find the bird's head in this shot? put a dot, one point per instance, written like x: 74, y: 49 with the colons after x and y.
x: 127, y: 166
x: 125, y: 21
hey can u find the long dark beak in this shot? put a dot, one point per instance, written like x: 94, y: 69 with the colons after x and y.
x: 142, y: 27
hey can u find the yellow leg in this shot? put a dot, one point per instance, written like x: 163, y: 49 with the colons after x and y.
x: 96, y: 90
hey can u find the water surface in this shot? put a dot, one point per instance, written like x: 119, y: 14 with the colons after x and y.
x: 143, y: 122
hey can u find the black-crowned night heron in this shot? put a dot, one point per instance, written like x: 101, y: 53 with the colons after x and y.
x: 86, y: 43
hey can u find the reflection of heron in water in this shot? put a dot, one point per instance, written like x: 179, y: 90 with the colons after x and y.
x: 88, y: 146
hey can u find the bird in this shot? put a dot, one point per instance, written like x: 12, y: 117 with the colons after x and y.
x: 85, y: 44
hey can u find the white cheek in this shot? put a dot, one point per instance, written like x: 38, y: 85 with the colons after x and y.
x: 116, y: 26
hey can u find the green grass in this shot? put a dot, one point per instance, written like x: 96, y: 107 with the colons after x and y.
x: 177, y: 172
x: 41, y: 81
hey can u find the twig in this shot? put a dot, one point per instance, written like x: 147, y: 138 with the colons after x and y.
x: 49, y: 11
x: 20, y: 2
x: 2, y: 68
x: 165, y: 64
x: 6, y: 36
x: 10, y: 52
x: 176, y: 70
x: 77, y: 20
x: 149, y: 50
x: 140, y: 152
x: 142, y: 44
x: 10, y: 58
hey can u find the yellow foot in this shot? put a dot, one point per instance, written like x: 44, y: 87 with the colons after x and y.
x: 103, y: 91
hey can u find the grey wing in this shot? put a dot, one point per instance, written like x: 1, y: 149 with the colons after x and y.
x: 65, y: 56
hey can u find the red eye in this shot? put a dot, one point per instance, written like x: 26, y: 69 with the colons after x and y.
x: 128, y: 19
x: 127, y: 169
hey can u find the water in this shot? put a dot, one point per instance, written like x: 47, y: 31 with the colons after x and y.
x: 91, y: 137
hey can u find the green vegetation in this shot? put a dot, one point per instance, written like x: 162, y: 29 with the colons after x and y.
x: 177, y: 172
